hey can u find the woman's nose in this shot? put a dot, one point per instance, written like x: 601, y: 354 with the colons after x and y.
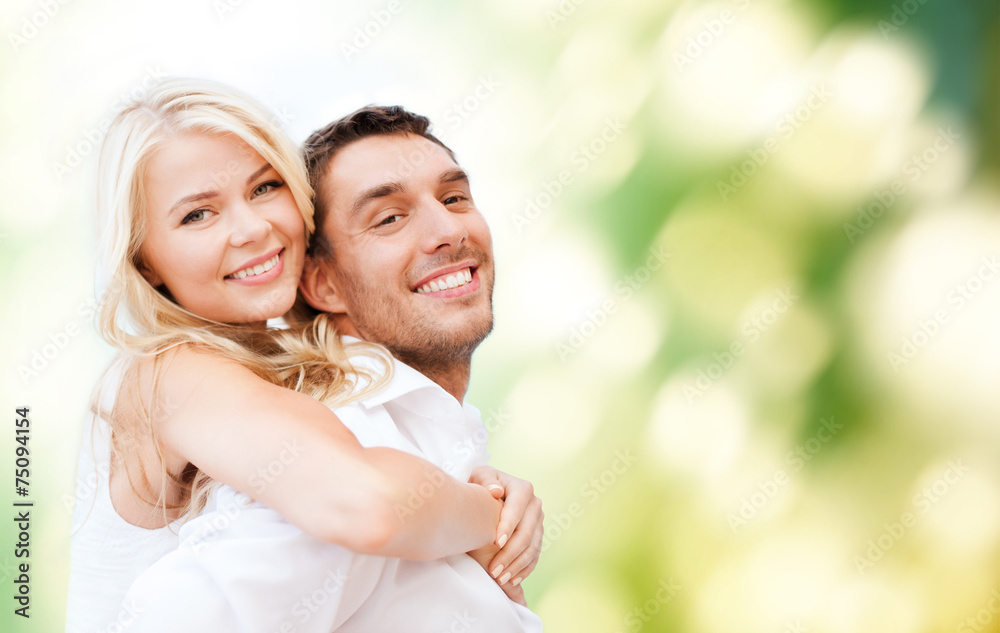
x: 249, y: 225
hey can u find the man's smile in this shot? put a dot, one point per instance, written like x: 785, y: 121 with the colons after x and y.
x: 460, y: 276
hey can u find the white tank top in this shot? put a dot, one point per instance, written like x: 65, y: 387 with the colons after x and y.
x: 107, y: 552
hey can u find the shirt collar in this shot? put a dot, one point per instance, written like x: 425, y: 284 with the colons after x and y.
x: 405, y: 379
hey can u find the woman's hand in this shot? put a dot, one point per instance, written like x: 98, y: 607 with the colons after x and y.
x: 519, y: 533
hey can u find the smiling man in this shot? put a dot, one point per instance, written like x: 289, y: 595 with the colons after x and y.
x: 402, y: 258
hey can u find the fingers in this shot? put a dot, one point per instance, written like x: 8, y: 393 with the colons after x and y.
x: 514, y: 593
x: 525, y: 562
x: 527, y: 559
x: 524, y: 573
x: 519, y: 495
x: 487, y: 477
x: 523, y: 547
x: 484, y: 555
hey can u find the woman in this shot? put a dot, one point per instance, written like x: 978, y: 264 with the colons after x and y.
x: 205, y: 214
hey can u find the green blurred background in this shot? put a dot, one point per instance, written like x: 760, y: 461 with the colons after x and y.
x: 748, y: 309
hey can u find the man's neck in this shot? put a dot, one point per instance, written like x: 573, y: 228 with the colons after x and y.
x: 452, y: 374
x: 453, y: 377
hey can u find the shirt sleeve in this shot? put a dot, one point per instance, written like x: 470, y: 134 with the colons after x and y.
x: 242, y: 568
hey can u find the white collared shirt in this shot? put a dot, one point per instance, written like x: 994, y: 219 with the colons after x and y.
x: 241, y: 567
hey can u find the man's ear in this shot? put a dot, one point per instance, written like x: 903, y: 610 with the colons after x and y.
x: 319, y: 287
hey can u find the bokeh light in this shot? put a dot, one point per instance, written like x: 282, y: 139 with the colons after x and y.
x: 747, y: 343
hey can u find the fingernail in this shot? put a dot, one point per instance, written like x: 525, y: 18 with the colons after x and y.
x: 504, y: 578
x: 516, y: 581
x: 496, y: 571
x: 495, y: 487
x: 501, y: 540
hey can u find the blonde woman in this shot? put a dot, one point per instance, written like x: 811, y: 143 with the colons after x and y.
x: 205, y: 211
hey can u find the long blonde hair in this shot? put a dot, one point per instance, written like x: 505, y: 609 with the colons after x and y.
x: 139, y: 320
x: 134, y: 315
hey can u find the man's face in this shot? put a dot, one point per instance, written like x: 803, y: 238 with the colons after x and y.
x: 412, y: 256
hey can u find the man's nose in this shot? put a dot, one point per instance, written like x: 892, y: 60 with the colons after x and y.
x: 442, y: 227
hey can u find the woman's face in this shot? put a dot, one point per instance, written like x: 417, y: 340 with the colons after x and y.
x: 223, y: 232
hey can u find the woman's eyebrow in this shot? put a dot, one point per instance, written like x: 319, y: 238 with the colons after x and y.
x: 257, y: 174
x: 204, y: 195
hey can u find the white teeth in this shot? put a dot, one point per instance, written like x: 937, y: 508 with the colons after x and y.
x: 454, y: 280
x: 256, y: 270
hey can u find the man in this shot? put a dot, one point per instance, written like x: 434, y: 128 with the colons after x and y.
x: 402, y: 258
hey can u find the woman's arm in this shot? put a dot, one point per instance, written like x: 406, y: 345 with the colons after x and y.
x: 293, y: 454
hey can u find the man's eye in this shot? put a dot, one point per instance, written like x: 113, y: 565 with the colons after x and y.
x: 453, y: 199
x: 267, y: 187
x: 195, y: 216
x: 390, y: 219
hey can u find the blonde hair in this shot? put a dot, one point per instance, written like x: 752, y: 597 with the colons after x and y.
x: 141, y: 321
x: 135, y: 315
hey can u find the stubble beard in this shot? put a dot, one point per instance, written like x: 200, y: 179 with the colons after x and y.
x: 430, y: 350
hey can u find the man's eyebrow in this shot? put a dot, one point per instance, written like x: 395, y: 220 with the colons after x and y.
x: 205, y: 195
x: 374, y: 193
x: 454, y: 175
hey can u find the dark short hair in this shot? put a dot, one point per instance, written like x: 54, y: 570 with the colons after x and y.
x: 323, y: 144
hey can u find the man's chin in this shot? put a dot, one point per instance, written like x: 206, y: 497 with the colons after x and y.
x: 468, y: 337
x: 441, y: 346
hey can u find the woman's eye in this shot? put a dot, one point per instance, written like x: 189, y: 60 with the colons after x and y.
x: 390, y: 219
x: 195, y: 216
x: 267, y: 187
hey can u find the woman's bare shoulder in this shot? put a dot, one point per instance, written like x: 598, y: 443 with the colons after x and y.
x: 180, y: 371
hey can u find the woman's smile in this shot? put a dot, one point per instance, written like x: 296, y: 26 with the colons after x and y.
x: 224, y: 235
x: 259, y: 270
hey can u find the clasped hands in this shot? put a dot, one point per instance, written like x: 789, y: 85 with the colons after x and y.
x: 514, y: 553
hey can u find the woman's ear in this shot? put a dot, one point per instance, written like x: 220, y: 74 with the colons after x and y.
x: 319, y: 287
x: 148, y: 273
